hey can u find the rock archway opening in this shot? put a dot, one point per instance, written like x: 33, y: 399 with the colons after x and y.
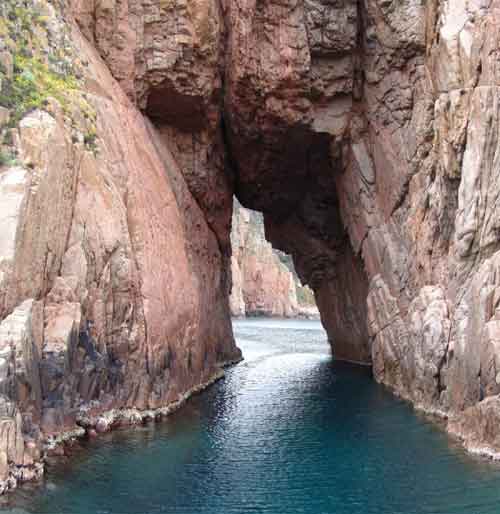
x: 294, y: 184
x: 265, y: 282
x: 294, y: 173
x: 327, y: 278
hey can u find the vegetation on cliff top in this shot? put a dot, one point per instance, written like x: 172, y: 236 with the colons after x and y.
x: 31, y: 85
x: 35, y: 75
x: 38, y: 63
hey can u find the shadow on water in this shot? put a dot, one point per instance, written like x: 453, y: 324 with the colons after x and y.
x: 287, y: 431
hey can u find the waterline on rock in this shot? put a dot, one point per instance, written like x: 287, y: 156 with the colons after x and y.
x: 287, y: 431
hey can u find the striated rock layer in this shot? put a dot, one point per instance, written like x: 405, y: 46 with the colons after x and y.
x: 264, y: 280
x: 113, y: 284
x: 365, y: 132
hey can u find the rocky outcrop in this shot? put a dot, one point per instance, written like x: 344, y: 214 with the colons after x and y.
x: 393, y: 179
x: 113, y: 284
x: 264, y: 282
x: 365, y: 132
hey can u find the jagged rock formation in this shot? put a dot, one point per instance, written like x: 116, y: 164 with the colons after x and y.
x: 264, y: 282
x: 366, y: 132
x: 113, y: 283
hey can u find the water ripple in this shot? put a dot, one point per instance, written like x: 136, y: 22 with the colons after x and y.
x: 287, y: 432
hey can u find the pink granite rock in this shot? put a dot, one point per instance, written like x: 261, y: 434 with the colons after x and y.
x: 264, y: 282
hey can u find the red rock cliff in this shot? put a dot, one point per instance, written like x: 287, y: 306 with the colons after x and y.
x: 113, y: 281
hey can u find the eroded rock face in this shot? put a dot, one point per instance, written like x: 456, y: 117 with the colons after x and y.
x: 168, y: 58
x: 113, y: 285
x: 367, y: 134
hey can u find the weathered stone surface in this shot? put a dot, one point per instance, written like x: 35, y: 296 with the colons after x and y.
x: 366, y: 133
x: 368, y: 137
x: 477, y: 427
x: 167, y: 56
x: 20, y: 397
x: 99, y: 226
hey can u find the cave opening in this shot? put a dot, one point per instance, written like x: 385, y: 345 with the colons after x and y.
x: 293, y: 178
x: 265, y: 282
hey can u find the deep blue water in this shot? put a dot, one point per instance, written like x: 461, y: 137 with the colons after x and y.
x: 288, y: 431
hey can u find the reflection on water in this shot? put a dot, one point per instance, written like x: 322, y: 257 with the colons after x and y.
x: 288, y: 431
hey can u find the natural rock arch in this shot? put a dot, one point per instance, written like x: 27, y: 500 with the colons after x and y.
x: 357, y: 128
x: 366, y: 132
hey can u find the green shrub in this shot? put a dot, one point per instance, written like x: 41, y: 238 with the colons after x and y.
x: 6, y: 158
x: 31, y: 86
x: 36, y: 77
x: 90, y: 140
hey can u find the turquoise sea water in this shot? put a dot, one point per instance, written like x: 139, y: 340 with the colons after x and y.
x: 288, y: 431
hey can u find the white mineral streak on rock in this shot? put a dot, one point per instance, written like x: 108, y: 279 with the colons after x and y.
x: 13, y: 182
